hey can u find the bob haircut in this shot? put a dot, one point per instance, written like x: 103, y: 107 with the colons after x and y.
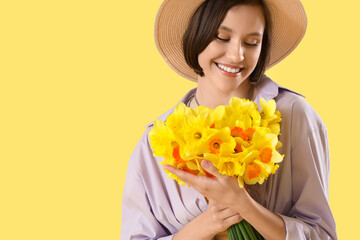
x: 203, y: 26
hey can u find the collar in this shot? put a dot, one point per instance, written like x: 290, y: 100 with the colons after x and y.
x: 268, y: 89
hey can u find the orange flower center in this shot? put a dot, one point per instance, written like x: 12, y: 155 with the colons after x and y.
x: 253, y: 171
x: 215, y: 145
x: 265, y: 155
x: 176, y: 155
x: 238, y: 132
x: 186, y: 169
x: 249, y: 133
x: 241, y: 133
x: 238, y: 148
x: 209, y: 174
x: 213, y: 125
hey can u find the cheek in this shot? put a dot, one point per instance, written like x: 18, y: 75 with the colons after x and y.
x: 204, y: 60
x: 254, y: 56
x: 201, y: 59
x: 209, y: 53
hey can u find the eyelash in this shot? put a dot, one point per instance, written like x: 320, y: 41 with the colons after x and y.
x: 252, y: 44
x: 222, y: 39
x: 227, y: 40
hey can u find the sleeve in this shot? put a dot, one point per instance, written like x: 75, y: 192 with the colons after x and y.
x: 138, y: 221
x: 310, y: 216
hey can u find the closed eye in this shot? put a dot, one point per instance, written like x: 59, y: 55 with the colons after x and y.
x: 252, y: 44
x: 223, y: 39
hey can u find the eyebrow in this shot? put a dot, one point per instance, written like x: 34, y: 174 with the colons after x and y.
x: 230, y: 30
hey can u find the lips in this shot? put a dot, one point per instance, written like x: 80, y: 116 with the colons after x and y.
x: 229, y: 70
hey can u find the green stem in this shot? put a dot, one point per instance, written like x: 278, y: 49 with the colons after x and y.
x: 249, y: 230
x: 230, y: 233
x: 243, y: 231
x: 258, y: 235
x: 238, y: 232
x: 236, y: 237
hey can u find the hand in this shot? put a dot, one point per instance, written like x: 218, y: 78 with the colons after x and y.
x: 216, y: 219
x: 219, y: 218
x: 223, y: 189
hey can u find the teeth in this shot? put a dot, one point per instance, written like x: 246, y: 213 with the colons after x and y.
x: 228, y: 69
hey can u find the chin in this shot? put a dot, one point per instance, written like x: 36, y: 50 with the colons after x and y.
x: 227, y: 88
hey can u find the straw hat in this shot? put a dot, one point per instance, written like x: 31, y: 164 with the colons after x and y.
x: 289, y: 26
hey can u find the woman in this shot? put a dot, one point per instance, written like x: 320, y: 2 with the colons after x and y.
x: 227, y: 46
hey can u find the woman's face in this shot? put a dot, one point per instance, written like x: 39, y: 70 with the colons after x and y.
x: 232, y: 56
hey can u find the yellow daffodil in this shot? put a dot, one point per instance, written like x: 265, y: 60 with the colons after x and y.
x: 201, y: 110
x: 175, y: 121
x: 225, y: 161
x: 267, y: 107
x: 196, y: 134
x: 218, y: 115
x: 230, y: 166
x: 269, y: 116
x: 217, y: 140
x: 244, y: 113
x: 161, y: 139
x: 266, y: 145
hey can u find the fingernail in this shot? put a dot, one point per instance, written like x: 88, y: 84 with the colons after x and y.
x: 205, y: 163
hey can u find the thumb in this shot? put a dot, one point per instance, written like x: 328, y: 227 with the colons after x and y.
x: 210, y: 168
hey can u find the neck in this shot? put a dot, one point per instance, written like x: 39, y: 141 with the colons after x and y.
x: 210, y: 96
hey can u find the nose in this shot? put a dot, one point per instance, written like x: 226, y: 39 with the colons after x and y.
x: 235, y: 52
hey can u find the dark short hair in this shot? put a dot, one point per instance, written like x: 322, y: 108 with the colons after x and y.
x: 203, y: 26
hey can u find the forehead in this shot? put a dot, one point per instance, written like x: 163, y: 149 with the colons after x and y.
x: 243, y: 18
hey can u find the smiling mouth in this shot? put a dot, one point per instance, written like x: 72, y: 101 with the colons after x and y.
x: 228, y: 69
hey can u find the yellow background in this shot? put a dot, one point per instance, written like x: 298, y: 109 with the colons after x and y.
x: 79, y: 80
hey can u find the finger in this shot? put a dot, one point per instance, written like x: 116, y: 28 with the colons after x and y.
x: 233, y: 219
x: 209, y: 167
x: 184, y: 176
x: 216, y: 206
x: 227, y: 213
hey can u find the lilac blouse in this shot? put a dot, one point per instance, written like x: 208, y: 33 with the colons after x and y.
x: 156, y: 207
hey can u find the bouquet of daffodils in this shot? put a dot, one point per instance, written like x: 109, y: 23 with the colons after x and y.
x: 238, y: 139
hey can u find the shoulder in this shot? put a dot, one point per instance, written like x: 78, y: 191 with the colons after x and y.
x: 299, y: 119
x: 291, y: 104
x: 301, y: 112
